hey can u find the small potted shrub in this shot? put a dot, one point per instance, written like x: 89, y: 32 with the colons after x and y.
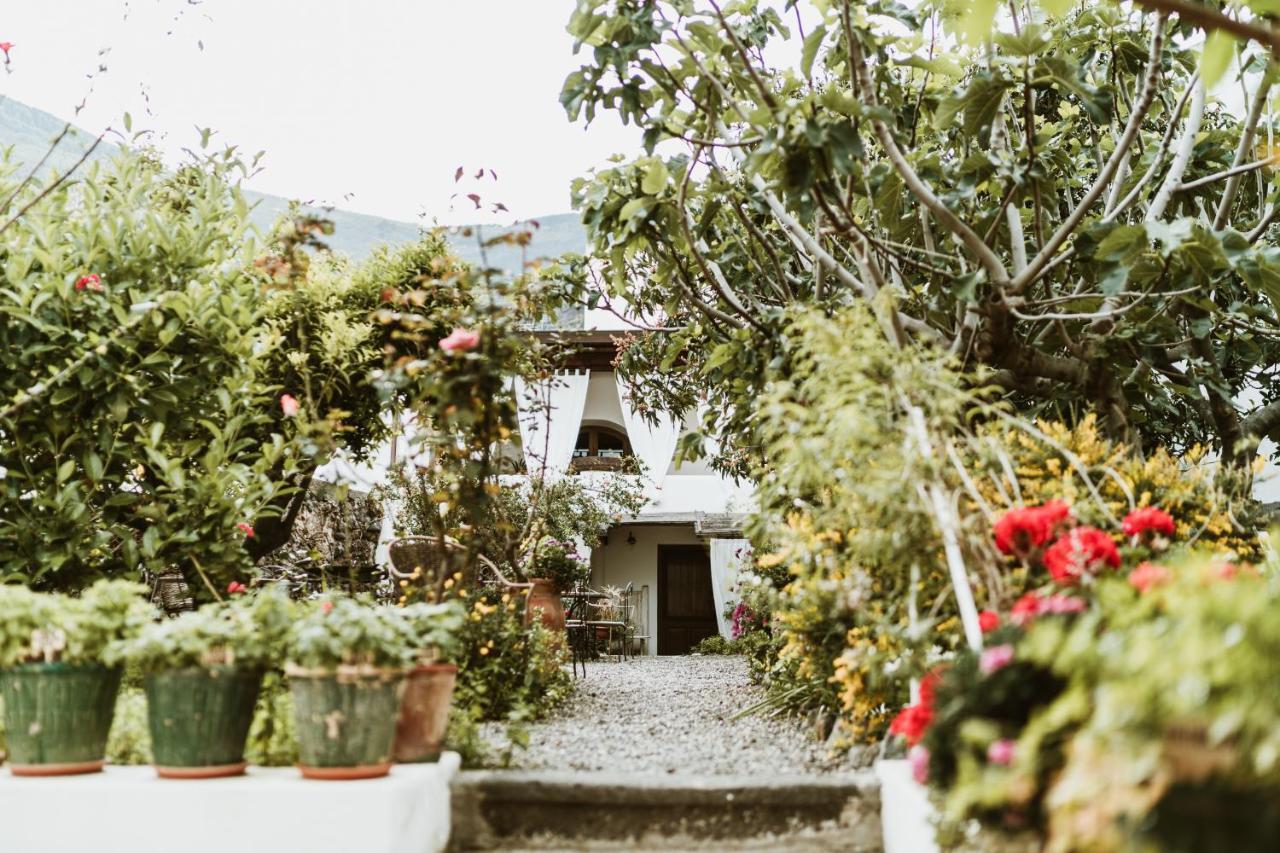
x: 203, y: 674
x: 59, y: 673
x: 555, y: 569
x: 347, y: 661
x: 428, y: 692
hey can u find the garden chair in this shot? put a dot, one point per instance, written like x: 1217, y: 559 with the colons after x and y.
x: 578, y: 635
x: 638, y: 619
x: 429, y: 560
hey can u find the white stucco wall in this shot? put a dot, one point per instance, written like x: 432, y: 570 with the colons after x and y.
x: 618, y: 563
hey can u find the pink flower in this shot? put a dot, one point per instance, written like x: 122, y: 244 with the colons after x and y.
x: 326, y: 607
x: 1001, y: 752
x: 92, y: 281
x: 235, y: 588
x: 988, y: 621
x: 288, y: 405
x: 6, y: 46
x: 246, y: 528
x: 1023, y: 530
x: 1060, y: 603
x: 918, y: 759
x: 1148, y: 519
x: 1147, y: 575
x: 995, y: 658
x: 460, y: 340
x: 1081, y: 552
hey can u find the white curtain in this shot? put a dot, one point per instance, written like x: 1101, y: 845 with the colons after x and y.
x: 727, y: 557
x: 550, y: 414
x: 653, y: 444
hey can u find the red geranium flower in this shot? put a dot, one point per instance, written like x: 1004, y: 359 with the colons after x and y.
x: 1147, y: 575
x: 1083, y: 551
x: 1034, y: 604
x: 1022, y: 530
x: 912, y: 722
x: 92, y: 281
x: 246, y: 528
x: 988, y: 621
x: 235, y: 588
x: 1026, y: 608
x: 1148, y: 519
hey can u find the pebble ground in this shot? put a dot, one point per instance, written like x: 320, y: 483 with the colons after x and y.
x: 669, y: 715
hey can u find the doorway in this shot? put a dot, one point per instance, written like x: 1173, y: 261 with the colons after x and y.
x: 686, y: 607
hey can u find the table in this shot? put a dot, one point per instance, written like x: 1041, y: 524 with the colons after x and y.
x: 271, y: 810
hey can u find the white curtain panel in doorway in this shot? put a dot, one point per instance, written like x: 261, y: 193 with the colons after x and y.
x: 727, y: 558
x: 653, y: 444
x: 550, y: 415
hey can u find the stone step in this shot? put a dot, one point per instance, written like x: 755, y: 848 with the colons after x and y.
x: 567, y: 810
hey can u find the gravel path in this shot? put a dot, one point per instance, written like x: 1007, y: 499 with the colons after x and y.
x: 668, y: 715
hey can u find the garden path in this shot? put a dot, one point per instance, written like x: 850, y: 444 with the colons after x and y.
x: 668, y: 715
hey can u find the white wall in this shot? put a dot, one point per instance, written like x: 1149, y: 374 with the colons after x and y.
x: 618, y: 563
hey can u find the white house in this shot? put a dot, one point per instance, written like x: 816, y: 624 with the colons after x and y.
x: 681, y: 551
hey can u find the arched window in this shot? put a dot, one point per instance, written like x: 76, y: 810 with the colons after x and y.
x: 600, y: 448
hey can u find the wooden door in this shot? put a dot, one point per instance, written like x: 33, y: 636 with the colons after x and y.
x: 686, y: 608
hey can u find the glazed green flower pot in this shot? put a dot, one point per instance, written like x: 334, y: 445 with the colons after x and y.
x: 57, y: 717
x: 199, y: 720
x: 345, y: 720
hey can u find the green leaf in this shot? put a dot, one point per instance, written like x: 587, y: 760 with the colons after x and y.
x: 811, y: 44
x: 636, y: 207
x: 1031, y: 40
x: 655, y: 178
x: 65, y: 470
x: 1219, y: 48
x: 980, y: 103
x: 975, y: 24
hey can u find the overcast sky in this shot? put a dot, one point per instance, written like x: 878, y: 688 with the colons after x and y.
x: 370, y: 104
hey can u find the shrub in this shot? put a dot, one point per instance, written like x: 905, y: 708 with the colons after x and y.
x: 507, y: 670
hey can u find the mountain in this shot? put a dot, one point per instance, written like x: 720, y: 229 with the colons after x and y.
x: 27, y: 132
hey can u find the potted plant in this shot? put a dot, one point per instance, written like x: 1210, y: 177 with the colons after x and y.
x: 554, y: 569
x: 347, y: 661
x: 59, y: 673
x: 203, y: 674
x: 428, y: 692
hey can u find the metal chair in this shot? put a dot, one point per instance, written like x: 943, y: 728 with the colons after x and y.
x: 638, y: 621
x: 429, y: 559
x: 578, y: 635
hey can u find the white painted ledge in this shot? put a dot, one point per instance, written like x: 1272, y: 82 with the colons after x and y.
x: 906, y: 814
x: 271, y: 810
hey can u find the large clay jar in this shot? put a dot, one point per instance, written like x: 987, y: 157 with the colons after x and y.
x: 544, y: 602
x: 424, y: 712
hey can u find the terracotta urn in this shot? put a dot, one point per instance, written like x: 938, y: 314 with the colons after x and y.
x: 544, y: 602
x: 424, y: 712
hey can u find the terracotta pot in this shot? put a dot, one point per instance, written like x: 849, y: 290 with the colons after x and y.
x: 545, y: 600
x: 424, y: 712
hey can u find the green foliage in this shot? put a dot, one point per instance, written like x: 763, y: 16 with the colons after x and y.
x: 558, y: 561
x: 134, y: 422
x: 714, y: 645
x: 49, y: 627
x: 507, y: 670
x: 249, y: 630
x: 436, y: 626
x: 521, y: 517
x: 1038, y: 195
x: 272, y: 742
x: 130, y: 738
x: 341, y: 631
